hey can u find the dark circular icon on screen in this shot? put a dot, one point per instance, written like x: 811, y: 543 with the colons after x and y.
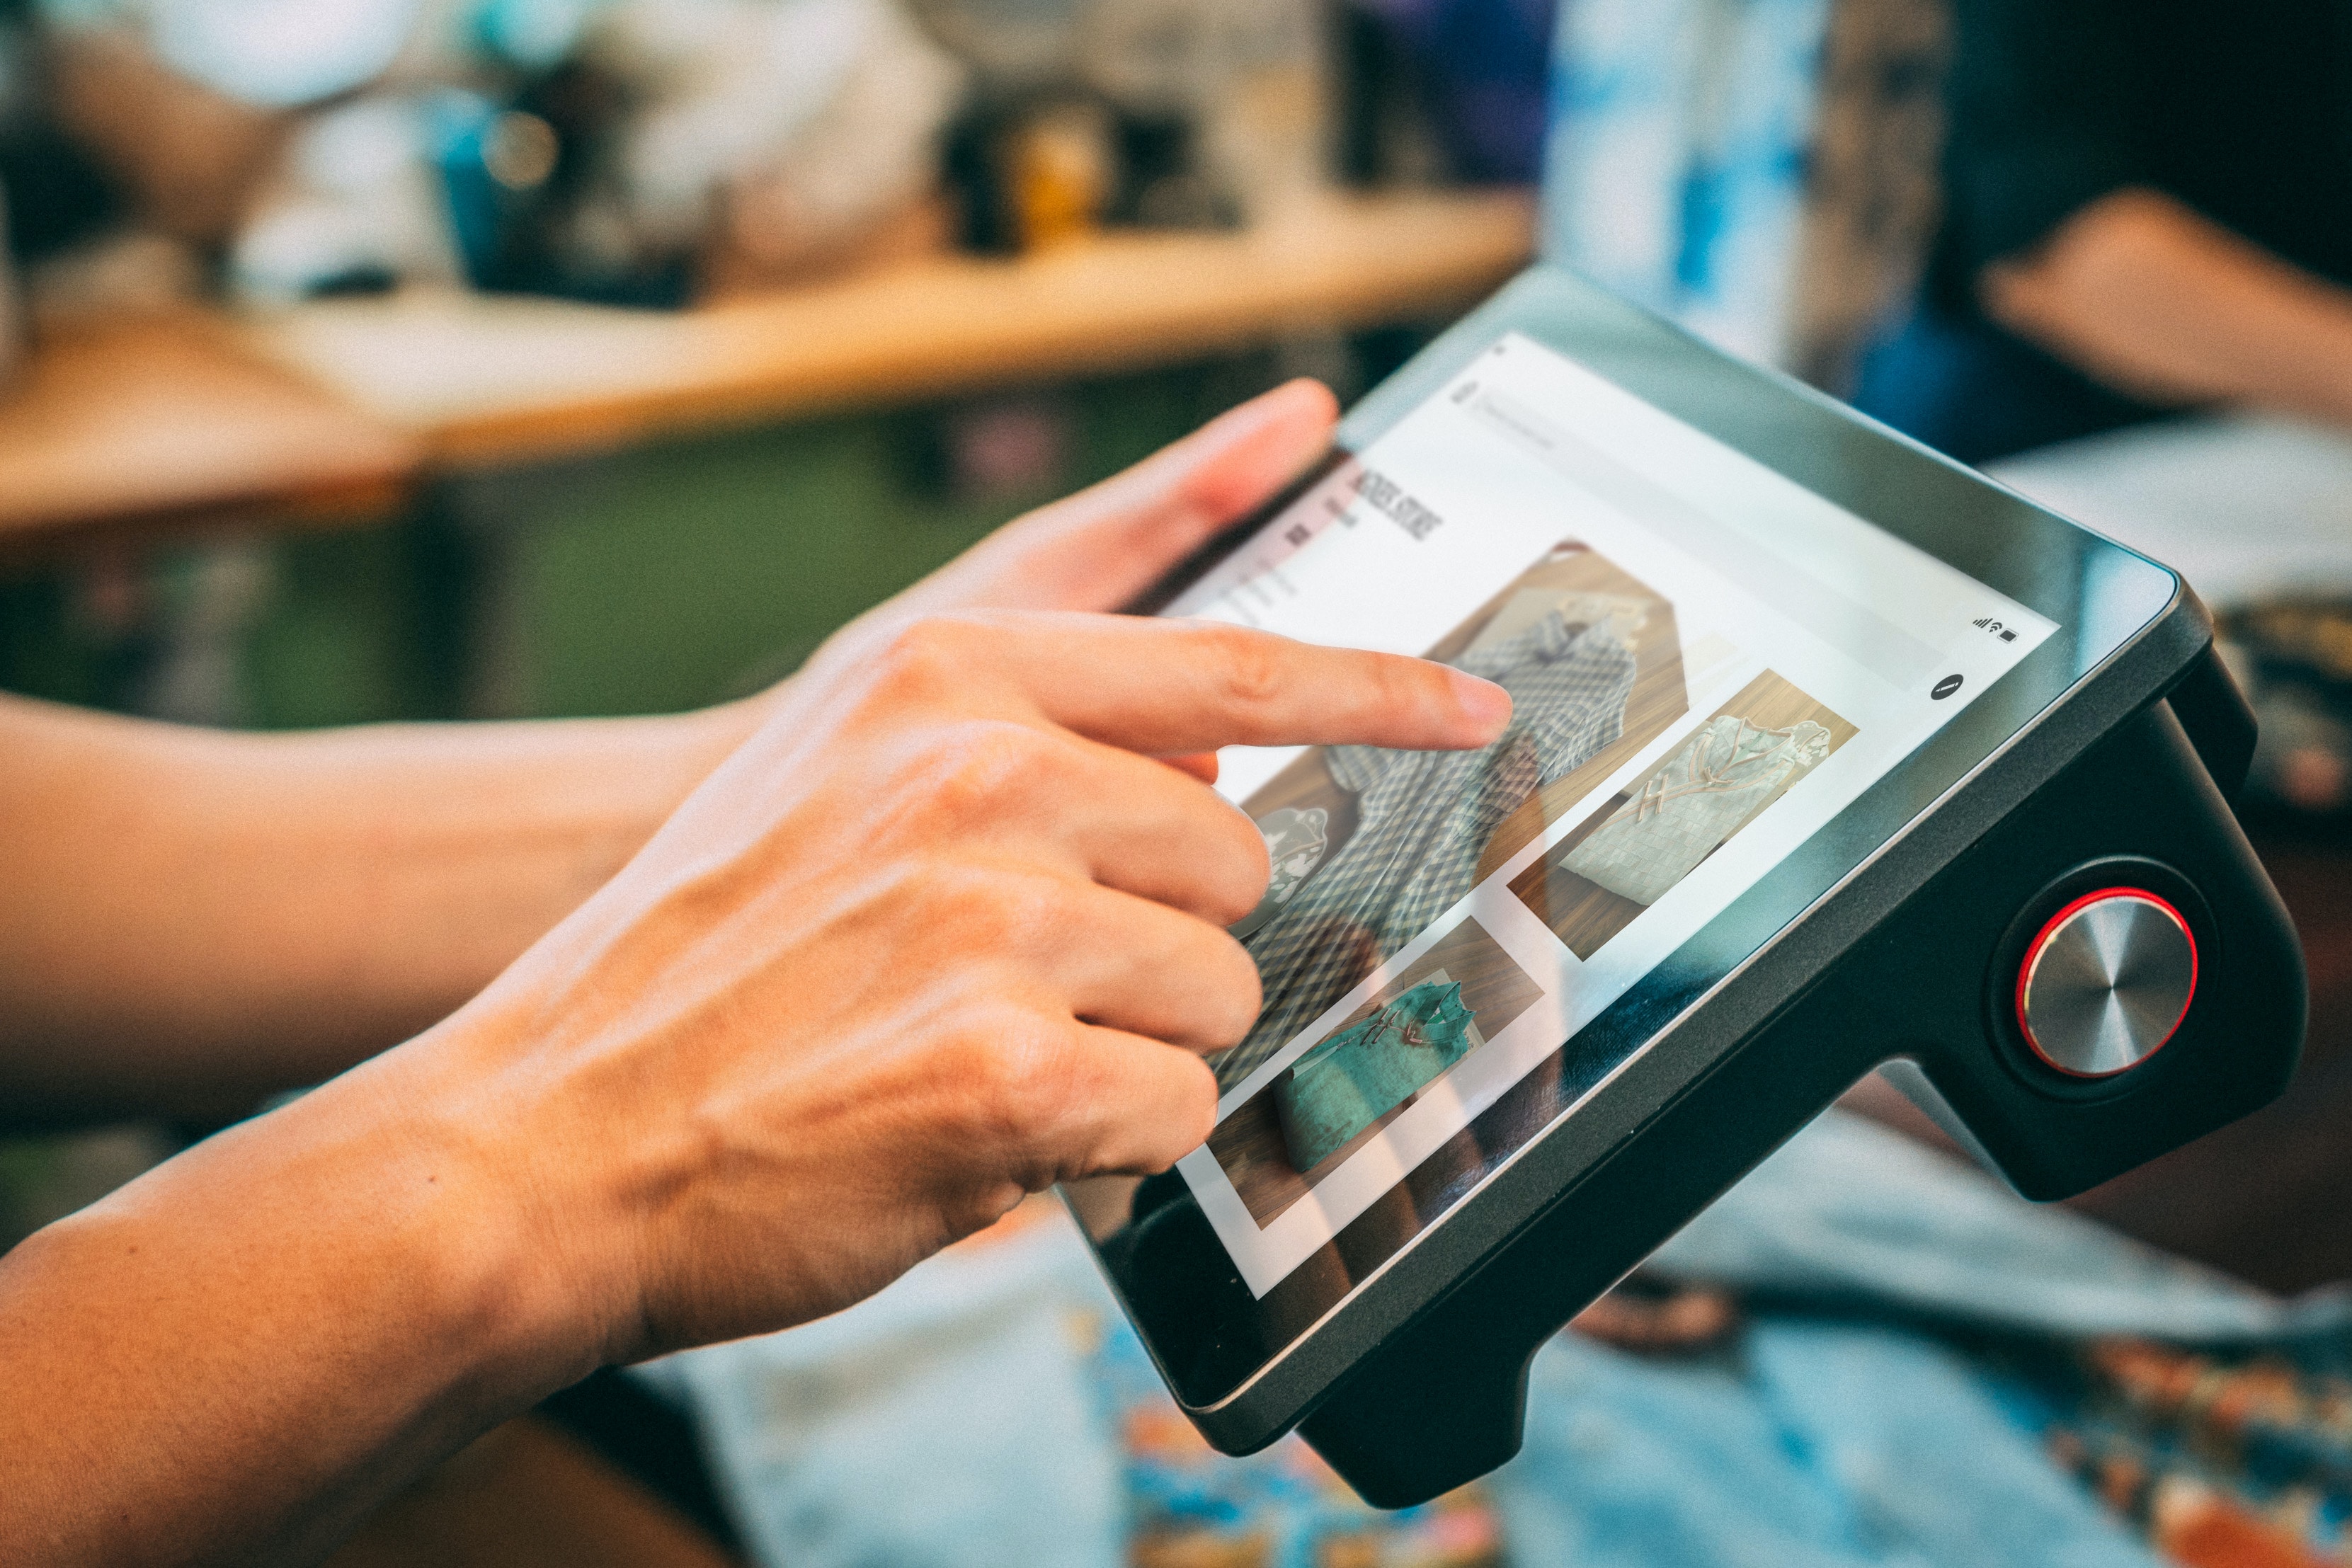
x: 1945, y: 687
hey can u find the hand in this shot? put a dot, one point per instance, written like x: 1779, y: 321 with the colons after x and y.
x: 939, y: 936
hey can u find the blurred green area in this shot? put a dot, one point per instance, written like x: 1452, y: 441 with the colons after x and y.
x: 640, y: 582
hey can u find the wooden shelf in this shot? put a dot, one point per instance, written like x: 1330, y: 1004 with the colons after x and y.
x: 334, y: 409
x: 165, y: 422
x: 486, y: 380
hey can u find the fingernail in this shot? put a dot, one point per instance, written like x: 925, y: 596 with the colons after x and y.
x: 1484, y: 702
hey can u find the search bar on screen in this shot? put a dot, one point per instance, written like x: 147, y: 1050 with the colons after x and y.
x: 1869, y: 639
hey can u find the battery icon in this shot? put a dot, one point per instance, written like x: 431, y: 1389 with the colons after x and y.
x: 2008, y: 636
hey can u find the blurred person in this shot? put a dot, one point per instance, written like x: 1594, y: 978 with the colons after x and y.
x: 2148, y: 207
x: 711, y: 1024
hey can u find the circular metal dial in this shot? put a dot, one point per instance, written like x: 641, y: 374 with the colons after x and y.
x: 2107, y: 982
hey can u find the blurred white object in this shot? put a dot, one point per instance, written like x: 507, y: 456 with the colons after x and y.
x: 800, y: 121
x: 533, y: 34
x: 354, y: 194
x: 1674, y: 171
x: 950, y: 1421
x: 1013, y: 44
x: 274, y: 54
x: 2246, y: 506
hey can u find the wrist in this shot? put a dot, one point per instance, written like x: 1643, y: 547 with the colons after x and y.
x: 393, y: 1200
x: 539, y: 1202
x: 467, y: 1206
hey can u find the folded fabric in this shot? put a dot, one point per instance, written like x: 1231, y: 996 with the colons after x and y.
x: 1818, y: 1445
x: 1850, y: 1211
x: 1360, y: 1074
x: 1702, y: 794
x: 949, y: 1422
x: 2210, y: 1416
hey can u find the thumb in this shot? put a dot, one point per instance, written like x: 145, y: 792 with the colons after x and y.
x: 1103, y: 547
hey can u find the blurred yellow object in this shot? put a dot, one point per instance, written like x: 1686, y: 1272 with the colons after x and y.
x: 521, y: 150
x: 1062, y: 174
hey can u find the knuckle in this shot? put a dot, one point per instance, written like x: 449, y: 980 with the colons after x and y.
x: 1233, y: 996
x: 1200, y: 1117
x: 1235, y: 870
x: 1401, y: 685
x: 974, y: 1208
x: 918, y: 655
x: 1020, y: 912
x: 1002, y: 1068
x: 985, y: 768
x: 1250, y: 667
x: 1184, y: 1115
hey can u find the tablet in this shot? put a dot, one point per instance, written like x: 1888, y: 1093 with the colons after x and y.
x: 1753, y: 642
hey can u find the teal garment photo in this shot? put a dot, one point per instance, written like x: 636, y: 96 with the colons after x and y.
x: 1360, y: 1074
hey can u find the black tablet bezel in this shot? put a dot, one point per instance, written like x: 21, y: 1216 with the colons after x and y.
x: 2102, y: 596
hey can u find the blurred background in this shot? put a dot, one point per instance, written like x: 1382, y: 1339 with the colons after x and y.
x: 566, y: 356
x: 433, y: 359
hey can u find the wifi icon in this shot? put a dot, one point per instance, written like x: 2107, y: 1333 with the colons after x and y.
x: 1986, y: 624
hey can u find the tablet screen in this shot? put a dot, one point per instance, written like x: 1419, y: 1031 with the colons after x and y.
x: 1707, y: 662
x: 1731, y: 688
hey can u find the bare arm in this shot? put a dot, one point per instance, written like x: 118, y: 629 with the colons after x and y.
x: 191, y: 919
x: 2146, y: 294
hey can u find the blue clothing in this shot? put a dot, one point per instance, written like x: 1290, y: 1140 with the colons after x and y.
x: 993, y: 1407
x: 1819, y: 1445
x: 1974, y: 393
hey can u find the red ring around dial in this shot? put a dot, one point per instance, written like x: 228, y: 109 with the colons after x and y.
x: 2050, y: 927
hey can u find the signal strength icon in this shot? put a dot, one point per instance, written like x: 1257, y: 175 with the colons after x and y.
x: 1986, y: 624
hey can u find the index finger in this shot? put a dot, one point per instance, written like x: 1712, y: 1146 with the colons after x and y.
x: 1163, y: 686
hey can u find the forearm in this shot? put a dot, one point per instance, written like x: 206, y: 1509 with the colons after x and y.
x: 191, y: 919
x: 2144, y: 294
x: 232, y: 1359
